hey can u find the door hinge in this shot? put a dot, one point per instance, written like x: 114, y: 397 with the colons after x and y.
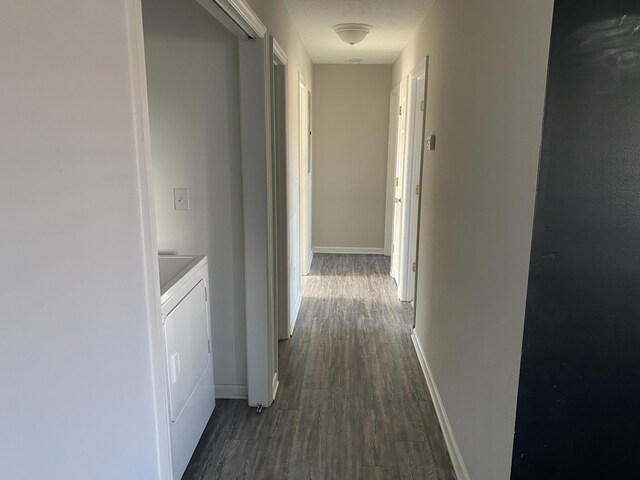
x: 209, y: 345
x: 393, y: 248
x: 422, y: 106
x: 396, y: 181
x: 400, y: 110
x: 417, y: 189
x: 206, y: 298
x: 413, y: 267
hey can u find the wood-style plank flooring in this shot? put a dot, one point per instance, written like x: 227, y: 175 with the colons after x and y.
x: 352, y: 404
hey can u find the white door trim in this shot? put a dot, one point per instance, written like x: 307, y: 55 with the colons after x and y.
x: 279, y: 56
x: 282, y: 290
x: 146, y: 205
x: 237, y: 16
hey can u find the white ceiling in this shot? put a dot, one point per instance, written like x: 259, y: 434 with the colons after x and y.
x: 393, y: 22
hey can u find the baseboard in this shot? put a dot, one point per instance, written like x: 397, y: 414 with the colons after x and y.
x: 275, y: 383
x: 294, y: 314
x: 236, y: 392
x: 350, y: 250
x: 454, y: 452
x: 310, y: 260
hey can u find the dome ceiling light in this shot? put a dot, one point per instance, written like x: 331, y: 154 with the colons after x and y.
x: 352, y: 33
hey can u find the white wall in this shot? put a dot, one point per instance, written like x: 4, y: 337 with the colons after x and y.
x: 487, y: 75
x: 275, y: 16
x: 351, y: 132
x: 192, y: 70
x: 76, y: 400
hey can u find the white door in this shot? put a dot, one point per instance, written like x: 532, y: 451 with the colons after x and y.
x: 411, y: 187
x: 309, y: 184
x: 306, y: 253
x: 255, y: 109
x: 396, y: 245
x: 391, y: 170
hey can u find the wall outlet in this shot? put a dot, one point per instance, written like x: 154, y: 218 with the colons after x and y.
x: 181, y: 198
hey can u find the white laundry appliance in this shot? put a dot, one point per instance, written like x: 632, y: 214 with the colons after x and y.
x: 186, y: 330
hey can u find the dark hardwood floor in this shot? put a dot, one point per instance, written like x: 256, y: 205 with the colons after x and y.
x: 352, y: 404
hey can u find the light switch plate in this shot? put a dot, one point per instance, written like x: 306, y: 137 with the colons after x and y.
x: 181, y: 198
x: 431, y: 142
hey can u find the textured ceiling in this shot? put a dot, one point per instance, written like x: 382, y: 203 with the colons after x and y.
x: 393, y: 22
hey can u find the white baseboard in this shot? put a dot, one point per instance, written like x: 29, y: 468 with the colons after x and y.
x: 454, y: 452
x: 350, y: 250
x: 235, y: 392
x: 294, y: 314
x: 275, y: 383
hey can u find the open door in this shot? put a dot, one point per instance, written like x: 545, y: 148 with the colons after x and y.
x: 391, y: 170
x: 258, y: 208
x: 410, y: 182
x: 398, y: 181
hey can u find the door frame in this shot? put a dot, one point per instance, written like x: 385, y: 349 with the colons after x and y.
x: 306, y: 174
x: 279, y: 185
x: 151, y: 267
x: 255, y: 58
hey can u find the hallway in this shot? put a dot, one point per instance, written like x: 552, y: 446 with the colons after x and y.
x: 352, y: 402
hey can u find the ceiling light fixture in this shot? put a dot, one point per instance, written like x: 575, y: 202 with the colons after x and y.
x: 352, y: 33
x: 355, y: 61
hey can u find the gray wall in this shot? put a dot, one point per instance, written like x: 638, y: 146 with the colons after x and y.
x: 77, y: 398
x: 487, y: 75
x: 192, y: 70
x: 350, y: 135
